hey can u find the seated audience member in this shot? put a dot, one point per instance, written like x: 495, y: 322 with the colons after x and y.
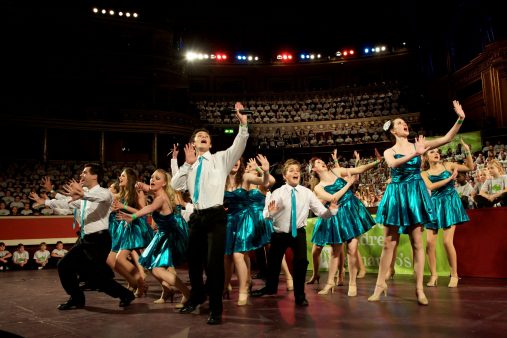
x: 15, y: 211
x: 3, y: 210
x: 4, y: 257
x: 465, y: 190
x: 41, y: 256
x: 26, y: 210
x: 494, y: 190
x: 57, y: 254
x: 20, y: 258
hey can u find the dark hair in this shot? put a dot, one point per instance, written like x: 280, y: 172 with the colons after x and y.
x: 129, y: 193
x: 20, y: 245
x: 238, y: 179
x: 96, y: 169
x: 192, y: 137
x: 59, y: 242
x: 2, y: 244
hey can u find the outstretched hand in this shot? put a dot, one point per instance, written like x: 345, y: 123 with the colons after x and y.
x: 46, y: 183
x: 377, y: 155
x: 263, y: 160
x: 420, y: 145
x: 73, y: 189
x: 122, y: 216
x: 190, y: 156
x: 465, y: 146
x: 458, y: 109
x: 272, y: 207
x: 243, y: 119
x: 38, y: 200
x: 175, y: 151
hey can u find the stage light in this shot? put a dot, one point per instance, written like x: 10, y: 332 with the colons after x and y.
x: 135, y: 15
x: 95, y: 10
x: 120, y: 13
x: 127, y: 15
x: 111, y: 12
x: 103, y: 11
x: 366, y: 50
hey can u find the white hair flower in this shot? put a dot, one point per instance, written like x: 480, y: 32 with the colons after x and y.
x: 387, y: 125
x: 309, y: 168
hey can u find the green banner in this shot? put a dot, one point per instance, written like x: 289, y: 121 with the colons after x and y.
x: 370, y: 247
x: 472, y: 138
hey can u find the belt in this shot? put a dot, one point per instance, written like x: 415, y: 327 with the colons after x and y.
x: 96, y: 233
x: 207, y: 210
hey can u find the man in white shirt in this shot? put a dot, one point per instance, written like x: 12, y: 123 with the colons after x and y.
x: 87, y: 258
x: 289, y: 225
x: 204, y: 175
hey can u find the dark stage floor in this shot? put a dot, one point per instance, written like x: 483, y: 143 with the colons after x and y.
x: 477, y: 308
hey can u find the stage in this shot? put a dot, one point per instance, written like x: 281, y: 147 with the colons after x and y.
x: 476, y: 308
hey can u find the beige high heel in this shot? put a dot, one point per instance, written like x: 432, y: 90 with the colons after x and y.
x: 142, y: 288
x: 352, y: 291
x: 433, y: 281
x: 182, y: 303
x: 327, y: 289
x: 361, y: 274
x: 290, y: 284
x: 421, y: 297
x: 379, y: 289
x: 166, y: 294
x: 243, y: 298
x: 453, y: 282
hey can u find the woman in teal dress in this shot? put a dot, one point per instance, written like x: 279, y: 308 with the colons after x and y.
x: 133, y: 236
x: 350, y: 222
x: 168, y: 246
x: 406, y: 205
x: 244, y: 231
x: 448, y: 208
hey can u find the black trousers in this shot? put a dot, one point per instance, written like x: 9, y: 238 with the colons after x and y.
x: 279, y: 244
x: 206, y: 249
x: 483, y: 202
x: 87, y: 260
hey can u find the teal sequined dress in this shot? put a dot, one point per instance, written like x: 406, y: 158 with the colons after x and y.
x: 169, y: 245
x: 115, y: 231
x: 138, y: 234
x: 446, y: 204
x: 236, y: 202
x: 263, y: 228
x: 351, y: 221
x: 406, y: 201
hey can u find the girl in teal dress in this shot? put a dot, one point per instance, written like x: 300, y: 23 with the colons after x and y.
x: 406, y: 204
x: 168, y: 246
x: 448, y: 208
x: 244, y: 231
x: 351, y: 221
x: 134, y: 236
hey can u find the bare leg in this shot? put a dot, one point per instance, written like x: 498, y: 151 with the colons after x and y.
x: 172, y: 279
x: 288, y: 276
x: 129, y: 271
x: 316, y: 251
x: 352, y: 257
x: 415, y: 235
x: 333, y: 266
x: 451, y: 255
x: 228, y: 265
x: 431, y: 244
x: 391, y: 238
x: 391, y: 271
x: 360, y: 264
x: 242, y: 272
x: 341, y: 266
x: 135, y: 260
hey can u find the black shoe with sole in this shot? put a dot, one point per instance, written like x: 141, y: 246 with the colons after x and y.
x: 127, y: 299
x: 214, y: 319
x: 71, y: 304
x: 261, y: 292
x: 302, y: 302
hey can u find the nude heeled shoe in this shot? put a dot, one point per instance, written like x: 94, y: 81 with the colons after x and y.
x: 243, y: 299
x: 433, y: 281
x: 379, y: 289
x: 328, y: 288
x: 361, y: 274
x: 421, y: 297
x: 453, y: 282
x: 290, y: 284
x: 182, y: 303
x: 166, y: 294
x: 352, y: 291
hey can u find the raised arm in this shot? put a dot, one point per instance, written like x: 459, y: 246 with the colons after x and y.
x: 155, y: 205
x: 179, y: 180
x: 469, y: 162
x: 435, y: 143
x: 365, y: 167
x: 234, y: 152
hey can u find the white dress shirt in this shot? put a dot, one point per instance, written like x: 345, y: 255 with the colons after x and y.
x: 96, y: 212
x: 214, y: 171
x: 305, y: 201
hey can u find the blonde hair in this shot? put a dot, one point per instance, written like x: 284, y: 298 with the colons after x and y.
x: 314, y: 177
x: 170, y: 192
x: 498, y: 165
x: 288, y: 163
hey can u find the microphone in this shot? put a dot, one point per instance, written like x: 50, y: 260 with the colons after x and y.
x: 242, y: 111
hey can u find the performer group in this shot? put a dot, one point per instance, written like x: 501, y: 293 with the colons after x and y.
x: 217, y: 208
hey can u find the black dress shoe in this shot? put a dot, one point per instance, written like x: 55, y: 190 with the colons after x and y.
x: 214, y: 319
x: 127, y: 299
x: 71, y: 304
x: 302, y: 302
x: 189, y: 308
x: 261, y: 292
